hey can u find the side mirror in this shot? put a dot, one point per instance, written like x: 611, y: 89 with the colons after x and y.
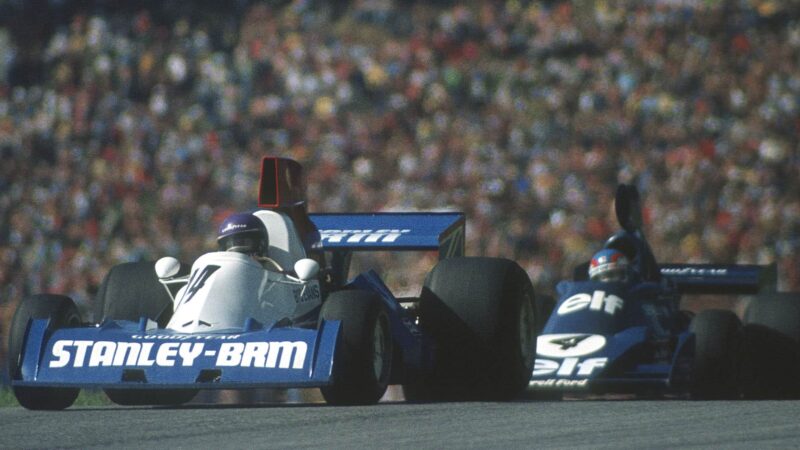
x: 306, y: 269
x: 167, y: 267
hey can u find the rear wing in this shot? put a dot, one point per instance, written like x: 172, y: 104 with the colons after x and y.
x: 282, y: 188
x: 722, y: 279
x: 442, y: 232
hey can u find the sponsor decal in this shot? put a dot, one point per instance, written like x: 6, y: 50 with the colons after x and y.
x: 307, y: 293
x: 569, y: 345
x: 558, y: 383
x: 694, y: 271
x: 269, y: 355
x: 186, y: 337
x: 263, y: 354
x: 233, y: 226
x: 365, y: 236
x: 568, y: 367
x: 598, y: 301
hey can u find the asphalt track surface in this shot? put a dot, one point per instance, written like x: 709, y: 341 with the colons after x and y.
x: 520, y: 424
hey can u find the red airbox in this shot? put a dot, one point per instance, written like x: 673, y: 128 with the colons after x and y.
x: 282, y: 183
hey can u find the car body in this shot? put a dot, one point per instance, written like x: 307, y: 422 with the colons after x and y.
x: 234, y: 322
x: 632, y: 336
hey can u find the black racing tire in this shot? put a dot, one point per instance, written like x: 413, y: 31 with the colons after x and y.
x: 363, y: 359
x: 128, y: 292
x: 771, y: 368
x: 481, y: 315
x: 718, y: 337
x: 63, y: 313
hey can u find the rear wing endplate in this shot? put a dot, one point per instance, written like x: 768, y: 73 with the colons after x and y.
x: 393, y: 231
x: 722, y: 279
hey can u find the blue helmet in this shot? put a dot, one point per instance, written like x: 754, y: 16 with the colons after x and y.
x: 243, y: 233
x: 608, y: 265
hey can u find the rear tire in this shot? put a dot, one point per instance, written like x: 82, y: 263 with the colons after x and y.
x: 481, y: 315
x: 771, y: 368
x: 131, y: 291
x: 718, y: 335
x: 363, y: 359
x: 62, y: 313
x: 545, y: 304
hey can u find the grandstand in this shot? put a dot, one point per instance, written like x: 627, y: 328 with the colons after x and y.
x: 129, y: 132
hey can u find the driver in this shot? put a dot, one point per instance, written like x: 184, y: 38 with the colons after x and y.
x: 243, y: 233
x: 608, y: 265
x: 246, y: 233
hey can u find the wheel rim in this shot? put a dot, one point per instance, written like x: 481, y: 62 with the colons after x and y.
x: 527, y: 331
x: 380, y: 347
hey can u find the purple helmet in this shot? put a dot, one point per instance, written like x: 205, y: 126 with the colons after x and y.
x: 608, y: 265
x: 243, y: 233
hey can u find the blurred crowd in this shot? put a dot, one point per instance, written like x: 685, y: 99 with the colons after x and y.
x: 131, y: 134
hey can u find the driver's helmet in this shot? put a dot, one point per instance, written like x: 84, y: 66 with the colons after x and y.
x: 624, y: 242
x: 243, y: 233
x: 608, y: 265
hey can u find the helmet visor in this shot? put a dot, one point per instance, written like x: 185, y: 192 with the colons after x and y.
x: 242, y: 243
x: 616, y: 274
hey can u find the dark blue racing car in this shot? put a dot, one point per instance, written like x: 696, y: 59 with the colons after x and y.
x: 618, y: 326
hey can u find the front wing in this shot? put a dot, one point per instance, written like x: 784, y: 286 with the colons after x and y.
x: 121, y: 354
x: 628, y: 361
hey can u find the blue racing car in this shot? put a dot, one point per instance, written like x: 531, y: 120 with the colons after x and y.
x: 618, y: 326
x: 275, y: 307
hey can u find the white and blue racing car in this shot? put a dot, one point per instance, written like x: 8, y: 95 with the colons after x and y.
x: 276, y: 308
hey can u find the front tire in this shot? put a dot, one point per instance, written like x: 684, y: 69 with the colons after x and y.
x: 62, y: 313
x: 363, y: 358
x: 481, y: 315
x: 128, y: 292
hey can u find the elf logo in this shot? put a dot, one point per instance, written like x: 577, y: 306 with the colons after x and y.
x: 598, y: 301
x: 568, y: 367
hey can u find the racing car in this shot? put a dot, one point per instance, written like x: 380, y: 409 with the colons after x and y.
x: 276, y: 307
x: 628, y: 333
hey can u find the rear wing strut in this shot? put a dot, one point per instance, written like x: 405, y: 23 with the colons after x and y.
x: 722, y: 279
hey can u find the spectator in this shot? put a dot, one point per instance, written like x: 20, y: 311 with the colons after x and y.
x: 144, y: 133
